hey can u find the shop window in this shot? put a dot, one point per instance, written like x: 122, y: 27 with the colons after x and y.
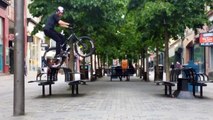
x: 199, y: 57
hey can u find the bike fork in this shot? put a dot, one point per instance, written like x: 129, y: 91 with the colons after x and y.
x: 82, y: 45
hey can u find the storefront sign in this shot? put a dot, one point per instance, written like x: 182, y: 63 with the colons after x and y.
x: 115, y: 62
x: 206, y: 39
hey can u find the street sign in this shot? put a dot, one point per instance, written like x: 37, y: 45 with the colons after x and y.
x: 206, y: 39
x: 44, y: 45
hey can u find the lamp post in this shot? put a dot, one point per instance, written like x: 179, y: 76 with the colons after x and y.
x: 18, y: 108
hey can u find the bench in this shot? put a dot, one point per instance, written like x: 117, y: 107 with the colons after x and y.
x: 117, y: 72
x: 51, y: 78
x: 168, y: 87
x: 171, y: 83
x: 199, y: 80
x: 202, y: 77
x: 195, y: 80
x: 120, y: 76
x: 72, y: 83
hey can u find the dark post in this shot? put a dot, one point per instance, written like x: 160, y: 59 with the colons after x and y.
x: 204, y: 63
x: 19, y: 97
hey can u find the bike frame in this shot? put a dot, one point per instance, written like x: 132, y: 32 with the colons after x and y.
x: 72, y: 38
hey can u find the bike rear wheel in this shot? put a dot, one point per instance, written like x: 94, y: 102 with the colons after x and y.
x: 50, y: 60
x: 85, y: 46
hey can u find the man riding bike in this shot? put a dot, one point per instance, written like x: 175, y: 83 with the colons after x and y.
x: 52, y: 21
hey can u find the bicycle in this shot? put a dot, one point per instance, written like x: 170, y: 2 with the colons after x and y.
x: 83, y: 46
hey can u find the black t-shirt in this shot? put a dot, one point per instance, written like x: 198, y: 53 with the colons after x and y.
x: 51, y: 22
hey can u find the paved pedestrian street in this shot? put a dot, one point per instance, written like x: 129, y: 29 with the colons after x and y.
x: 104, y: 100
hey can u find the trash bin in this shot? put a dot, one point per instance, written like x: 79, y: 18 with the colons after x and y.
x: 99, y: 72
x: 160, y: 69
x: 141, y: 72
x: 84, y: 71
x: 145, y: 76
x: 196, y: 68
x: 113, y: 72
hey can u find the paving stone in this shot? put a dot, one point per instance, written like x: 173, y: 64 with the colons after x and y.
x: 104, y: 100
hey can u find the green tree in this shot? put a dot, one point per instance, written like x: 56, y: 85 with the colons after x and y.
x: 170, y: 18
x: 98, y: 19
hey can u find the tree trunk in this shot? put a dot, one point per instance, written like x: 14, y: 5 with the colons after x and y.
x: 156, y: 71
x: 98, y: 68
x: 83, y: 69
x: 147, y: 66
x: 144, y: 68
x: 71, y: 58
x: 141, y: 65
x: 95, y: 64
x: 91, y: 68
x: 166, y: 55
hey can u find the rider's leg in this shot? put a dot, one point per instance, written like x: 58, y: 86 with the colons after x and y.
x: 62, y: 41
x: 56, y: 37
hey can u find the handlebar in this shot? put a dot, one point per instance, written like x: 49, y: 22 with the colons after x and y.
x: 71, y: 27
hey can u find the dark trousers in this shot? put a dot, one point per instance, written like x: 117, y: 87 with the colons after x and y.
x: 57, y: 37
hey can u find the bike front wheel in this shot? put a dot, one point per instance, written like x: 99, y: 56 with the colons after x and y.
x: 50, y: 60
x: 85, y: 46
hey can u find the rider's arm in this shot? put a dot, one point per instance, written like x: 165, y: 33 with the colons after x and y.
x: 63, y: 24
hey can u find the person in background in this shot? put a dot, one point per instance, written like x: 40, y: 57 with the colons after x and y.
x: 172, y: 66
x: 178, y: 65
x: 124, y: 66
x: 131, y: 68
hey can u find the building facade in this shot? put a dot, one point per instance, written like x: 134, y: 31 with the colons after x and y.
x: 7, y: 38
x: 4, y: 33
x: 34, y: 43
x: 194, y: 51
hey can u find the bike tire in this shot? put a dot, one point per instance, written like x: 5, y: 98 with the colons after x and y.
x: 89, y: 48
x: 50, y: 60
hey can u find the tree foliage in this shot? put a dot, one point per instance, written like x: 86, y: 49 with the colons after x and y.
x: 124, y: 27
x: 168, y: 18
x: 99, y: 19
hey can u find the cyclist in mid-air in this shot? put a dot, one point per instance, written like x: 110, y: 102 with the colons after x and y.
x: 52, y: 21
